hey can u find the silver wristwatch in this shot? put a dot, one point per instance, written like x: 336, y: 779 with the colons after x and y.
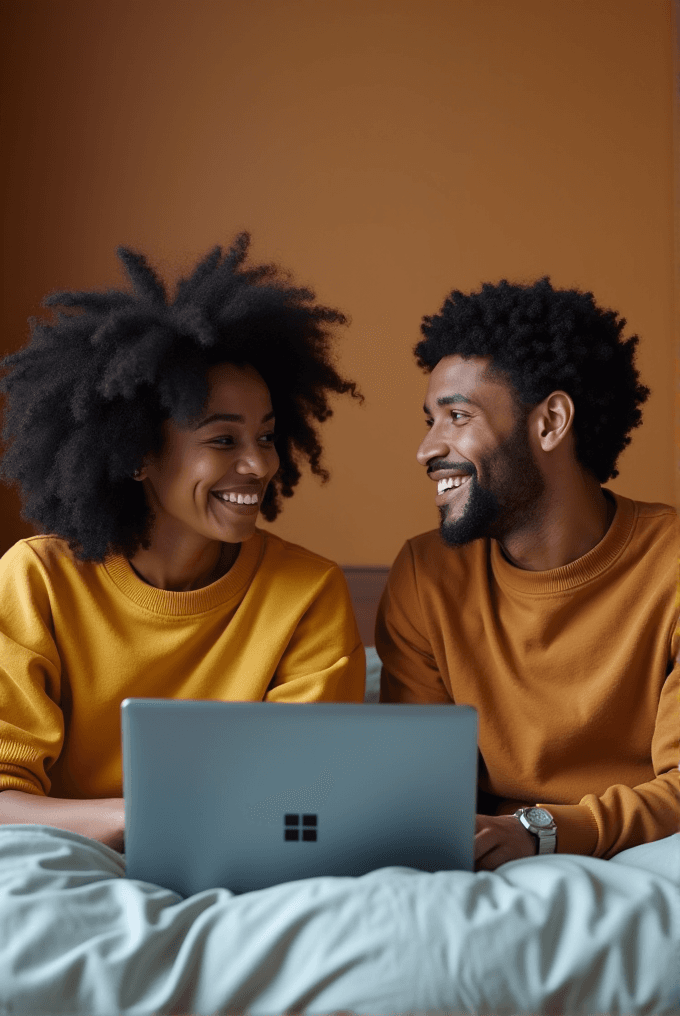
x: 541, y: 824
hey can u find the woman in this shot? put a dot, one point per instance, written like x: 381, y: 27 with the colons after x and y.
x: 146, y: 437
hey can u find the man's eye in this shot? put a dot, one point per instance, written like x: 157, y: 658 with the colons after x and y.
x: 455, y: 415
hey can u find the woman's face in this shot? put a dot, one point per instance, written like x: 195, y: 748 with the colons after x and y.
x: 209, y: 479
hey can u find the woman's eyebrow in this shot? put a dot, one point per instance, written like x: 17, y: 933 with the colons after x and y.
x: 229, y: 418
x: 449, y: 400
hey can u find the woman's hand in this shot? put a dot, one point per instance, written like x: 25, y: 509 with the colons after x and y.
x: 100, y: 819
x: 501, y: 838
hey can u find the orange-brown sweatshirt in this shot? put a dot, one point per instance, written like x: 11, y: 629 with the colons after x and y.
x: 573, y: 672
x: 77, y: 638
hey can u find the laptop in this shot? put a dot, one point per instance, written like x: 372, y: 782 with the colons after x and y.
x: 247, y: 795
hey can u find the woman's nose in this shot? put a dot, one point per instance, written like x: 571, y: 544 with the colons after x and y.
x: 254, y: 459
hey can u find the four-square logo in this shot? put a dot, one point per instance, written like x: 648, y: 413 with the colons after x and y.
x: 292, y: 828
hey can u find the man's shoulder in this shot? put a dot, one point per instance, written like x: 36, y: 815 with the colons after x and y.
x: 650, y: 510
x: 654, y: 522
x: 429, y: 555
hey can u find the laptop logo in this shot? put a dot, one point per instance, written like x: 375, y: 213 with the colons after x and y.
x: 293, y: 828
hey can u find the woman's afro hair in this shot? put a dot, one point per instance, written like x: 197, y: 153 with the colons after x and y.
x: 87, y: 397
x: 542, y: 340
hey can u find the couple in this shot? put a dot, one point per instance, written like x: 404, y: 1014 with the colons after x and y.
x: 147, y: 435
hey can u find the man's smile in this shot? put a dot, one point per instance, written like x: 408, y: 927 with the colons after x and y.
x: 448, y: 489
x: 449, y: 477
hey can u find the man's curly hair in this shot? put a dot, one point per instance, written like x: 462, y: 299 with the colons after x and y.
x: 542, y: 340
x: 87, y: 397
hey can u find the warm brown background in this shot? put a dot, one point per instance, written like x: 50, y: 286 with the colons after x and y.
x: 385, y: 151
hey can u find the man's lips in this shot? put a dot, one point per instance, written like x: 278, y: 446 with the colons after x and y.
x: 451, y: 493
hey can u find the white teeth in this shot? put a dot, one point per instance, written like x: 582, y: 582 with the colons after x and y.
x: 450, y: 481
x: 239, y: 498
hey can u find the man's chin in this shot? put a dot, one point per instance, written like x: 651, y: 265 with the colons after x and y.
x: 476, y: 522
x: 457, y: 535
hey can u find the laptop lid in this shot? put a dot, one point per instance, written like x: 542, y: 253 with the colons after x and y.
x: 246, y: 795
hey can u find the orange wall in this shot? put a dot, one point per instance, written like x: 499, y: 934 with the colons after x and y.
x: 385, y: 151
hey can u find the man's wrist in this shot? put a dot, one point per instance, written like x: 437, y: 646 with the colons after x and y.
x: 541, y: 825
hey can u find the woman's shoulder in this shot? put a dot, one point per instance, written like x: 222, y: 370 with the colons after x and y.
x: 42, y: 553
x: 280, y: 554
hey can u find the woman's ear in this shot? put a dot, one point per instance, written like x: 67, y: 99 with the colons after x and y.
x: 139, y: 474
x: 553, y: 420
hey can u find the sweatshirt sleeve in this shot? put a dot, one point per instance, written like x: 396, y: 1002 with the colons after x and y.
x: 625, y: 816
x: 31, y: 720
x: 324, y: 660
x: 409, y: 671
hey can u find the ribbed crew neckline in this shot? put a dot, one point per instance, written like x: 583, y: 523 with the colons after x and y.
x: 191, y: 601
x: 578, y: 572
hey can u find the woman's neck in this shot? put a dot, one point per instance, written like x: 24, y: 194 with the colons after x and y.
x: 181, y: 572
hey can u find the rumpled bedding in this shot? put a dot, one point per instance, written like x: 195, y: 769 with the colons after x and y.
x: 558, y: 934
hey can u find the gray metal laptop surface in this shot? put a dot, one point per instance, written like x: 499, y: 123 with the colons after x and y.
x: 248, y: 795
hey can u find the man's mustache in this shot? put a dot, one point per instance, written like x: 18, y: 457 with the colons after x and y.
x: 460, y: 467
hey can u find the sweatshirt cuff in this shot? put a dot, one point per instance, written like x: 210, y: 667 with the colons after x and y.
x: 17, y: 783
x: 577, y: 831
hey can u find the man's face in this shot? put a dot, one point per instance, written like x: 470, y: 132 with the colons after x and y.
x: 477, y: 451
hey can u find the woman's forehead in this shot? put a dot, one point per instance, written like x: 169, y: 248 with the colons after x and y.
x: 236, y: 381
x: 235, y: 373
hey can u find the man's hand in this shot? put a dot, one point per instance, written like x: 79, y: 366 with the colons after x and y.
x: 501, y: 838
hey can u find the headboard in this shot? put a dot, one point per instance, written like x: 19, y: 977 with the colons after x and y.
x: 365, y: 587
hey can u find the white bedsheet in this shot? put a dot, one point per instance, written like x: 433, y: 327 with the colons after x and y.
x: 560, y: 934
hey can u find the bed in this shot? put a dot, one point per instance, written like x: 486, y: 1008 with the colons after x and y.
x: 559, y: 934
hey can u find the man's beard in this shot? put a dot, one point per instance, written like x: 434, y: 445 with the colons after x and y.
x: 509, y: 502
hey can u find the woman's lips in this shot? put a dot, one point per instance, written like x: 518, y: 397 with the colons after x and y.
x: 238, y: 509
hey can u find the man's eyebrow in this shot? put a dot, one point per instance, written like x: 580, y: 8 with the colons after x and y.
x: 449, y: 400
x: 229, y: 418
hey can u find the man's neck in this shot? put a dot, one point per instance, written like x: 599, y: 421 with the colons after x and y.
x: 567, y: 526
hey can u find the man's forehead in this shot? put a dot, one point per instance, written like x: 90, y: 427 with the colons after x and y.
x: 464, y: 380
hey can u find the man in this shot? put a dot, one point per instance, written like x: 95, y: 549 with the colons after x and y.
x: 545, y: 601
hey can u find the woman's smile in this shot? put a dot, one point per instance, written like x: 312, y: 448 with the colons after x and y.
x: 242, y: 502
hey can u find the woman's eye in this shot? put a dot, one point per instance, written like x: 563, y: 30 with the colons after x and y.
x: 227, y: 441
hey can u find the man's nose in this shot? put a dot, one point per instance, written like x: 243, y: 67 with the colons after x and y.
x: 432, y: 446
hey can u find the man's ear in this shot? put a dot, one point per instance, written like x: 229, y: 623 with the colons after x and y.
x: 552, y: 420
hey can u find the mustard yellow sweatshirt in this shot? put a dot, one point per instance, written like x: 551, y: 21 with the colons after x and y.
x: 573, y: 673
x: 77, y: 638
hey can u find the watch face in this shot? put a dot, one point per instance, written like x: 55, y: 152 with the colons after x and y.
x: 539, y: 817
